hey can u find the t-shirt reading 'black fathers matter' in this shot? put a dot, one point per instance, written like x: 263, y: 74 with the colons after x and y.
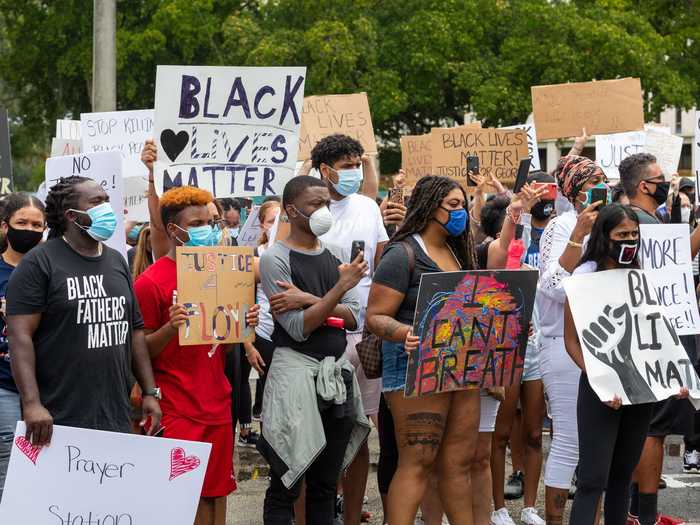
x: 83, y: 341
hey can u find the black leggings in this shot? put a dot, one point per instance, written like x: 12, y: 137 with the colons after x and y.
x: 388, y: 450
x: 266, y: 349
x: 610, y: 444
x: 237, y: 371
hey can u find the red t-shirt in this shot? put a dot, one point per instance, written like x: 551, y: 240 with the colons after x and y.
x: 193, y: 384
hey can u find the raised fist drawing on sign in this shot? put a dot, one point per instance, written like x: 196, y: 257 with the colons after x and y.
x: 609, y: 340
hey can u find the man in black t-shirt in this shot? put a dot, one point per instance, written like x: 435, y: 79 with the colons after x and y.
x: 74, y: 324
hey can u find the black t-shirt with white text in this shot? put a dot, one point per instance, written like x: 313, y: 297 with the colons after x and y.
x: 83, y: 341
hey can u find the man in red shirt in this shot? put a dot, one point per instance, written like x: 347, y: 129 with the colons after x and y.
x: 196, y: 400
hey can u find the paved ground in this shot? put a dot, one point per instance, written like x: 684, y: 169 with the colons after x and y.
x: 245, y: 506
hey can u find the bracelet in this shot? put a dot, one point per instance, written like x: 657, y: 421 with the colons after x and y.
x: 574, y: 244
x: 473, y: 219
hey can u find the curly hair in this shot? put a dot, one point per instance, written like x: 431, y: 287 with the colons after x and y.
x: 427, y: 196
x: 61, y: 197
x: 633, y: 169
x: 331, y: 149
x: 175, y: 200
x: 493, y: 213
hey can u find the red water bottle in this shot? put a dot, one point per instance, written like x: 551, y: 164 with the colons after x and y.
x: 516, y: 248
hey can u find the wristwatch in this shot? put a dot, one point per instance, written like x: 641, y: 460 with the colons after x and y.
x: 155, y: 392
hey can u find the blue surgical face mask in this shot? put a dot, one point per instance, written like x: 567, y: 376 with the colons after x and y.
x: 349, y: 181
x: 216, y: 235
x: 199, y: 235
x: 133, y: 235
x: 457, y: 222
x: 103, y: 221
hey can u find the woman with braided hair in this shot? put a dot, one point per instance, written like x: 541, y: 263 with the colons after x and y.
x: 74, y: 324
x: 560, y: 251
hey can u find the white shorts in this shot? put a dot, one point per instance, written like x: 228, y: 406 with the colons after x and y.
x: 531, y: 367
x: 371, y: 389
x: 489, y: 411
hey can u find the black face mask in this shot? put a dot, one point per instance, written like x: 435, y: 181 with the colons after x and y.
x: 543, y: 210
x: 23, y: 240
x: 624, y: 252
x: 661, y: 192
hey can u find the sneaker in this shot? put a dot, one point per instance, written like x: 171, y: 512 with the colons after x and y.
x: 632, y: 520
x: 662, y: 519
x: 514, y: 486
x: 691, y: 460
x: 501, y: 517
x: 529, y: 516
x: 256, y: 416
x: 249, y: 440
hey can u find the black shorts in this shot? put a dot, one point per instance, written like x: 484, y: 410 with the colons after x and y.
x: 672, y: 416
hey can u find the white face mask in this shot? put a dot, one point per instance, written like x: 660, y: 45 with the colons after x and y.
x: 685, y: 215
x: 320, y: 221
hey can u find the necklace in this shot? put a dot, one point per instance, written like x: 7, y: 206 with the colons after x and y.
x: 99, y: 246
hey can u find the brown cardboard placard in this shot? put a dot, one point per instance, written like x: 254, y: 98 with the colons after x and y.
x: 328, y: 114
x: 416, y: 160
x: 499, y: 150
x: 604, y: 106
x: 216, y: 284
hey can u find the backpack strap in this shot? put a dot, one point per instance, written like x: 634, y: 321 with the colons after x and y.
x: 411, y: 256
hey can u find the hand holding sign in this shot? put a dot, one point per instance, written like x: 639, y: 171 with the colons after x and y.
x: 149, y: 155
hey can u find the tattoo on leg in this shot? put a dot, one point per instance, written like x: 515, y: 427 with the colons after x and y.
x: 413, y: 439
x: 560, y: 501
x: 551, y: 519
x: 426, y: 418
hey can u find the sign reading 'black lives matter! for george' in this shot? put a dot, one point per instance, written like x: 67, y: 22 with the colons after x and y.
x: 229, y: 130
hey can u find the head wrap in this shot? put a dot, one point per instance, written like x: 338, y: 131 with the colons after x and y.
x: 573, y: 172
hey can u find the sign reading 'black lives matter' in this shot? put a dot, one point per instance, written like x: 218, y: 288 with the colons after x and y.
x: 229, y: 130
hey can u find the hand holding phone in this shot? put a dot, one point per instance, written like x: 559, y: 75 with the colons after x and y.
x: 396, y: 195
x: 356, y: 248
x: 521, y: 178
x: 551, y: 193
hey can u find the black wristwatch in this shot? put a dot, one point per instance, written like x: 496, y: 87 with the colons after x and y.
x: 155, y: 392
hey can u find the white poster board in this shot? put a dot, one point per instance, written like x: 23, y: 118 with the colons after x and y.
x: 61, y: 147
x: 105, y: 478
x: 103, y: 168
x: 136, y: 199
x: 124, y: 131
x: 231, y: 130
x: 612, y: 149
x: 251, y: 229
x: 68, y: 129
x: 666, y: 148
x: 696, y: 154
x: 664, y: 253
x: 532, y: 147
x: 629, y: 345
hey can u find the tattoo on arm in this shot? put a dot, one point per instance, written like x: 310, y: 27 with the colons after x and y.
x: 390, y: 327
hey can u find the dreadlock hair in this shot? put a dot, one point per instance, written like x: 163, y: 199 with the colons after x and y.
x: 427, y: 196
x: 61, y: 197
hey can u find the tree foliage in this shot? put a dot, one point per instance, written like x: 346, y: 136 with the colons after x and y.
x: 422, y: 62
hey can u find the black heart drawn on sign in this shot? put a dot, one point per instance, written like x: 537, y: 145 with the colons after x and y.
x: 173, y: 144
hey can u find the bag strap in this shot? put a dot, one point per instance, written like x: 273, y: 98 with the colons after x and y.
x: 411, y: 256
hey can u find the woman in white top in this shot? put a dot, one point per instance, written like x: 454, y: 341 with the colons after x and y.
x: 561, y: 246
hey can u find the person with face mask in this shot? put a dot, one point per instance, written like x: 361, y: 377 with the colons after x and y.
x: 196, y: 394
x: 611, y: 436
x: 53, y: 299
x: 560, y: 250
x: 313, y: 419
x: 647, y: 189
x: 23, y: 225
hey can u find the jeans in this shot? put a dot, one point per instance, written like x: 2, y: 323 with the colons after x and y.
x: 321, y: 478
x: 610, y: 444
x: 10, y: 413
x: 394, y: 366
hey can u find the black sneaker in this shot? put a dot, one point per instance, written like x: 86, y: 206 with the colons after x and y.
x: 514, y: 486
x: 249, y: 440
x: 691, y: 460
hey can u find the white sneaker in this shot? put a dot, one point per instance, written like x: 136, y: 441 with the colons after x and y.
x: 501, y: 517
x: 529, y: 516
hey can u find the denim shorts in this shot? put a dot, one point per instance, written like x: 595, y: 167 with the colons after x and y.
x: 394, y: 366
x: 531, y: 367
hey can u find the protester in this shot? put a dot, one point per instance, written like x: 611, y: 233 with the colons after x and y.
x: 52, y: 329
x: 196, y: 395
x: 560, y: 251
x: 143, y: 256
x: 608, y: 456
x: 647, y: 189
x: 301, y: 412
x: 133, y: 229
x: 231, y: 215
x: 23, y: 224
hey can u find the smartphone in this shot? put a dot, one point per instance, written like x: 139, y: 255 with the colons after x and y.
x: 357, y: 247
x: 551, y: 193
x: 473, y: 168
x: 396, y: 195
x: 598, y: 194
x: 521, y: 177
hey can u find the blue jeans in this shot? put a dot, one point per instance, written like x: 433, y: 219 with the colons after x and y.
x: 394, y: 366
x: 10, y: 413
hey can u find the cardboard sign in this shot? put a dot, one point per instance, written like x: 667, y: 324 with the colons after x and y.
x: 500, y: 152
x: 106, y: 478
x: 666, y: 148
x: 664, y: 254
x: 62, y: 147
x: 329, y: 114
x: 106, y: 170
x: 216, y: 284
x: 473, y: 328
x: 696, y: 155
x: 231, y: 130
x: 605, y: 106
x: 124, y: 131
x: 629, y: 344
x: 136, y: 199
x: 416, y: 158
x: 68, y: 129
x: 6, y: 184
x: 533, y: 149
x: 612, y: 149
